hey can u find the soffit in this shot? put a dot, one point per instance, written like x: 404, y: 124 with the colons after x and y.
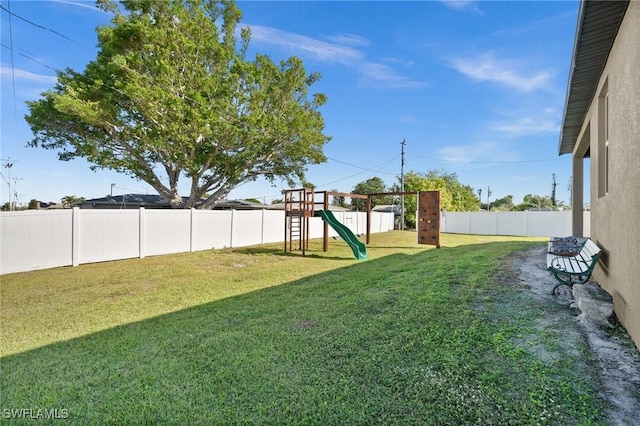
x: 598, y: 24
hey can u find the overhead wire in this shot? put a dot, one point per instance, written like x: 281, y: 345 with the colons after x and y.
x: 377, y: 169
x: 372, y: 169
x: 28, y: 57
x: 34, y: 24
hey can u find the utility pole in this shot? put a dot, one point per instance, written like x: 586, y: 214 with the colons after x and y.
x: 112, y: 185
x: 402, y: 144
x: 8, y: 164
x: 488, y: 195
x: 553, y: 190
x: 15, y: 191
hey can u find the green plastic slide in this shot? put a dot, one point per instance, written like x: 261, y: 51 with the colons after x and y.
x: 358, y: 248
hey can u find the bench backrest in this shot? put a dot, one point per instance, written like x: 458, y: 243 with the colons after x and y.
x: 590, y: 250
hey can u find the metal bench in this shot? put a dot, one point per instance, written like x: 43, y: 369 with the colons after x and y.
x: 572, y: 267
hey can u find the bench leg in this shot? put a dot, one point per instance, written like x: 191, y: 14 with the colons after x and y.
x: 553, y: 292
x: 562, y: 280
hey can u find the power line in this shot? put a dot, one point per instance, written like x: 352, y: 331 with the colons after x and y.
x: 327, y: 184
x: 28, y: 57
x: 365, y: 169
x: 36, y: 25
x: 368, y: 169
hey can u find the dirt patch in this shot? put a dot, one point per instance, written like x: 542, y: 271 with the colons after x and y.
x: 612, y: 360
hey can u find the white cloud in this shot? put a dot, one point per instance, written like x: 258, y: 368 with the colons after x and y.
x: 526, y: 126
x: 527, y: 121
x: 569, y: 16
x: 398, y: 61
x: 502, y: 71
x: 317, y: 49
x: 465, y: 5
x: 20, y: 74
x: 372, y: 74
x: 480, y: 152
x: 408, y: 119
x: 385, y: 76
x: 79, y: 4
x: 349, y: 39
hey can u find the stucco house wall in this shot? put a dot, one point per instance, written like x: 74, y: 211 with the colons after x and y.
x: 611, y: 128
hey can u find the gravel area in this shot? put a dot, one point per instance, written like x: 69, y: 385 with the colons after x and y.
x: 612, y: 360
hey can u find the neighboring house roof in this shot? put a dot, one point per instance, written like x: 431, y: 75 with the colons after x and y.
x: 132, y: 201
x: 239, y: 205
x: 155, y: 201
x: 598, y: 24
x: 387, y: 208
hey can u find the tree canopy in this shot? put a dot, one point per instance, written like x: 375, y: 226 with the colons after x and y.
x: 172, y: 94
x: 71, y: 200
x: 535, y: 202
x: 503, y: 204
x: 370, y: 186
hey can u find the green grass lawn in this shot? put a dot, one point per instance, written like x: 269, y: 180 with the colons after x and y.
x: 415, y: 335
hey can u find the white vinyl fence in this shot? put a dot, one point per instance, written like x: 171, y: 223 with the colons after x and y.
x: 36, y: 239
x: 528, y: 224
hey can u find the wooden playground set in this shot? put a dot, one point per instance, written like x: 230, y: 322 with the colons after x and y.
x: 305, y: 203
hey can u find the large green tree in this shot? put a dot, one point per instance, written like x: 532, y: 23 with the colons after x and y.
x: 172, y: 94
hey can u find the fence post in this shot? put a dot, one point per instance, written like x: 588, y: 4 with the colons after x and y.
x: 231, y: 230
x: 192, y: 229
x: 141, y: 243
x: 262, y: 228
x: 75, y: 236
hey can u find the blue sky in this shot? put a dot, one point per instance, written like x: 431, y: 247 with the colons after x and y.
x: 475, y: 88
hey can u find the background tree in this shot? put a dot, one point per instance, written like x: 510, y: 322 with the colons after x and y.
x: 33, y: 204
x: 535, y: 202
x: 71, y: 200
x: 454, y: 196
x: 171, y: 94
x: 338, y: 200
x: 503, y: 204
x: 370, y: 186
